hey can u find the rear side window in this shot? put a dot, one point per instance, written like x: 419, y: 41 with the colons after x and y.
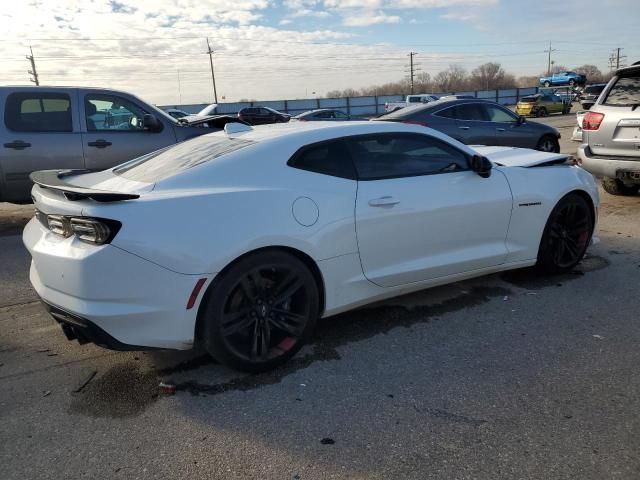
x: 470, y: 111
x: 328, y: 158
x: 624, y: 92
x: 38, y: 112
x: 175, y: 159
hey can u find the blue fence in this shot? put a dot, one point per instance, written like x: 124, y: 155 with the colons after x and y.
x: 356, y: 106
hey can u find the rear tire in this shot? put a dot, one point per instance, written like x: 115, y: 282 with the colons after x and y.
x: 614, y: 186
x: 572, y: 82
x: 566, y: 235
x: 547, y: 84
x: 548, y: 143
x: 541, y: 112
x: 261, y: 311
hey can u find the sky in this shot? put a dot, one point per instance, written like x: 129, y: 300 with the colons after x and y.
x: 287, y: 49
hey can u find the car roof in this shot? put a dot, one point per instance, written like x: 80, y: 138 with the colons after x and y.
x: 630, y: 68
x: 444, y: 102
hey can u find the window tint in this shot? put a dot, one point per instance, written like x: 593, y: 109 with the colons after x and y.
x: 174, y: 159
x: 546, y: 98
x: 324, y: 115
x: 395, y: 155
x: 497, y: 114
x: 626, y: 91
x: 264, y: 111
x: 109, y: 112
x: 447, y: 113
x: 329, y: 158
x: 339, y: 114
x: 470, y: 111
x: 38, y: 112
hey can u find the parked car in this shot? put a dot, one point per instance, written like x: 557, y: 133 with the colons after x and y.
x: 611, y: 134
x: 159, y: 261
x: 590, y: 94
x: 541, y: 105
x: 455, y: 97
x: 262, y: 115
x: 176, y: 113
x: 208, y: 111
x: 409, y: 101
x: 323, y: 114
x: 480, y: 122
x: 577, y: 130
x: 563, y: 78
x: 567, y: 94
x: 69, y: 127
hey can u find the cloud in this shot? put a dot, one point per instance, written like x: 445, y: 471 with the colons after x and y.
x: 459, y: 17
x: 365, y: 19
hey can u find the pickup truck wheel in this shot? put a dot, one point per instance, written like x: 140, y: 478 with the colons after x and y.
x: 541, y: 112
x: 548, y: 143
x: 547, y: 84
x: 614, y: 186
x: 572, y: 82
x: 566, y: 235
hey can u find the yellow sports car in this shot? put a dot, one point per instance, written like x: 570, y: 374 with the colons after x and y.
x: 541, y: 105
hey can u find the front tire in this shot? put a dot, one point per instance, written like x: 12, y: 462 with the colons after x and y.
x: 261, y: 311
x: 572, y: 82
x: 541, y: 112
x: 566, y: 235
x: 547, y: 84
x: 548, y: 143
x: 614, y: 186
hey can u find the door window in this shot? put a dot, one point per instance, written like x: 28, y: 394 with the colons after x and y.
x: 396, y: 155
x: 497, y: 114
x: 38, y: 112
x: 109, y: 113
x: 339, y: 115
x: 470, y: 111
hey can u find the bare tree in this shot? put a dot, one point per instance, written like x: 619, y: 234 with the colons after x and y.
x: 593, y: 73
x: 490, y: 76
x: 452, y: 79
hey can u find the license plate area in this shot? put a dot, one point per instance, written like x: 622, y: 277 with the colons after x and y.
x: 628, y: 175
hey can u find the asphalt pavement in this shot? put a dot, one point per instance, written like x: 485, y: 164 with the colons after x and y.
x: 513, y: 375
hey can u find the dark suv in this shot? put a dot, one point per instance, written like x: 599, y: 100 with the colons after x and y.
x: 262, y: 115
x: 589, y: 95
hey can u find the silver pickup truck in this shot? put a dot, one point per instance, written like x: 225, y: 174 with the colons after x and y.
x: 67, y: 127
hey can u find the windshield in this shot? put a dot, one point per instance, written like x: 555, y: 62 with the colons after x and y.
x: 169, y: 161
x: 209, y: 109
x: 625, y: 91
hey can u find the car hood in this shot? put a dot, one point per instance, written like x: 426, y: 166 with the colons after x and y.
x: 519, y: 157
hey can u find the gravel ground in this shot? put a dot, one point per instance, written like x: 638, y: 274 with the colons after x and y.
x: 506, y: 376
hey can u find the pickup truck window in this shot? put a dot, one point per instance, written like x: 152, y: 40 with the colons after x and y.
x: 38, y: 112
x: 109, y: 112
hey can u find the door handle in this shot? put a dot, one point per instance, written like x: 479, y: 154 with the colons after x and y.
x: 464, y: 128
x: 499, y: 129
x: 99, y: 144
x: 386, y: 201
x: 17, y: 145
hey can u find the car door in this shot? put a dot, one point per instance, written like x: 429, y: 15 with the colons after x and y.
x: 41, y: 131
x: 509, y: 131
x: 556, y: 104
x: 421, y: 213
x: 114, y: 130
x: 473, y: 124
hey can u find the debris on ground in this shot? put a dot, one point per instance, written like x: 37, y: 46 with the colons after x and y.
x: 46, y: 393
x: 327, y: 441
x: 599, y: 337
x: 42, y: 350
x: 86, y: 381
x: 167, y: 388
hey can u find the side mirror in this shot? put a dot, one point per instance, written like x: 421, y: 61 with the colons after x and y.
x: 521, y: 120
x: 481, y: 165
x: 151, y: 123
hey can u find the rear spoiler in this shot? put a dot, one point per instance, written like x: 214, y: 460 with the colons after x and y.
x: 53, y: 180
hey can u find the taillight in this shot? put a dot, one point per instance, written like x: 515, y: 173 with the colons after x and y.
x: 592, y: 121
x: 97, y: 231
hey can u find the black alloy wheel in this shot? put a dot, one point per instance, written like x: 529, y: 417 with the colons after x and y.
x: 566, y: 235
x: 261, y: 311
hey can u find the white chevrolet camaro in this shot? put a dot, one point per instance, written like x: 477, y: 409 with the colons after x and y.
x: 240, y: 240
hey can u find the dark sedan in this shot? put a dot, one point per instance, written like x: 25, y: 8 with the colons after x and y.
x: 479, y: 122
x: 323, y: 115
x: 262, y: 116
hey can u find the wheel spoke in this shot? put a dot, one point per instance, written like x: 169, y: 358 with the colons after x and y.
x: 572, y: 248
x: 254, y: 343
x: 578, y: 226
x: 236, y: 322
x: 265, y: 336
x: 559, y: 253
x: 289, y: 322
x: 287, y: 290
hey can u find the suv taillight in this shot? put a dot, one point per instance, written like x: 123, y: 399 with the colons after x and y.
x: 592, y: 120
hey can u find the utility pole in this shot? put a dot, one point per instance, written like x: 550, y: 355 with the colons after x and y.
x: 33, y: 72
x: 213, y: 76
x: 549, y: 58
x: 411, y: 70
x: 616, y: 60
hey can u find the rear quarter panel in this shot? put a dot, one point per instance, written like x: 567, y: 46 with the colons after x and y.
x: 536, y: 191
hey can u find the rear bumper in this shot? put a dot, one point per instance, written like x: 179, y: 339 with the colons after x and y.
x: 601, y: 166
x: 111, y: 297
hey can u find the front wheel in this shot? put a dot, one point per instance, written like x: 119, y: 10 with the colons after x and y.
x: 547, y: 84
x: 572, y: 82
x: 548, y: 143
x: 260, y: 312
x: 566, y: 235
x: 541, y: 112
x: 614, y: 186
